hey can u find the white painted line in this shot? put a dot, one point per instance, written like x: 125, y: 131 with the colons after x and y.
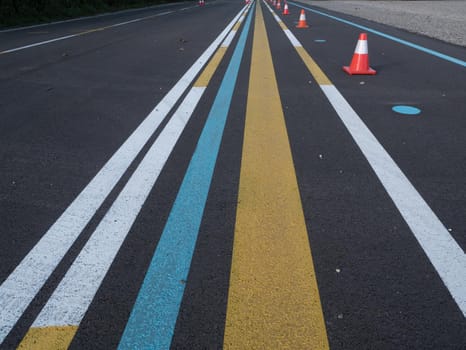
x: 447, y: 257
x: 444, y: 253
x: 390, y: 37
x: 20, y: 288
x: 241, y: 19
x: 137, y: 20
x: 69, y: 302
x: 295, y: 42
x: 107, y: 14
x: 74, y: 294
x: 229, y: 38
x: 83, y: 33
x: 39, y: 43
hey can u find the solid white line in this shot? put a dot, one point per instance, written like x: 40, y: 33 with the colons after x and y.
x: 136, y: 20
x: 295, y: 42
x: 40, y: 43
x: 72, y: 297
x: 69, y: 302
x: 18, y: 290
x: 444, y: 253
x: 107, y: 14
x: 447, y: 257
x: 83, y: 33
x: 229, y: 38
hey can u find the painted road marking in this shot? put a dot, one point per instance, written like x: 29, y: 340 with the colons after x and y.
x: 311, y: 65
x: 69, y: 302
x: 447, y: 257
x: 229, y: 38
x: 108, y: 14
x: 406, y: 110
x: 273, y: 299
x: 40, y: 43
x: 20, y: 288
x: 152, y: 320
x: 387, y: 36
x: 66, y: 307
x: 83, y: 33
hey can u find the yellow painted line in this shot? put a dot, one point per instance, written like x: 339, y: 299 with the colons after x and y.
x: 84, y: 32
x: 60, y: 337
x: 209, y: 71
x: 273, y: 300
x: 94, y: 30
x: 46, y: 338
x: 282, y: 25
x: 440, y: 247
x: 312, y: 66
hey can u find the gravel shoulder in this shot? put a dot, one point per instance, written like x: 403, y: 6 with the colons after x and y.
x: 443, y: 20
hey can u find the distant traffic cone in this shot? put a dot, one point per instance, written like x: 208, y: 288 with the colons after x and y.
x: 279, y: 6
x: 302, y: 20
x: 360, y: 62
x: 285, y: 9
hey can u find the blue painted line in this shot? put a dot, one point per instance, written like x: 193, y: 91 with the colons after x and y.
x: 153, y: 318
x: 387, y: 36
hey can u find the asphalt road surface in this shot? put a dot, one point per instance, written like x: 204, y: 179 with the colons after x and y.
x: 205, y: 177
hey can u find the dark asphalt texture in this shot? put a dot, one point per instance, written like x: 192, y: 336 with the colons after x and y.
x: 66, y: 107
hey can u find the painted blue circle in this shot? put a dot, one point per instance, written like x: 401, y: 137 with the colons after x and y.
x: 407, y: 110
x: 320, y: 40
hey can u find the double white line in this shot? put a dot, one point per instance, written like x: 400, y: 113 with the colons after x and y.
x: 21, y: 287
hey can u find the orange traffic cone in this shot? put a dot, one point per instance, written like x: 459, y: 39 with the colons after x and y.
x: 360, y: 62
x: 302, y: 20
x: 285, y: 9
x: 279, y: 6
